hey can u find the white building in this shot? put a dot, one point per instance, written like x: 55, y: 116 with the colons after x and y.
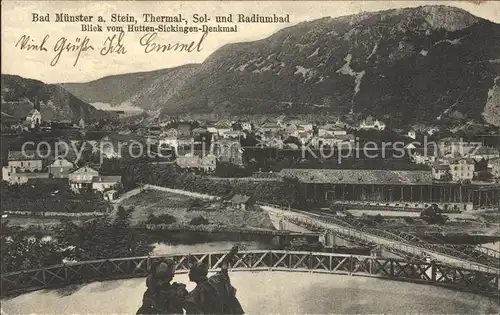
x: 206, y: 163
x: 462, y: 169
x: 332, y: 130
x: 81, y: 123
x: 483, y: 152
x: 24, y: 161
x: 220, y: 127
x: 412, y: 134
x: 306, y: 126
x: 34, y: 118
x: 234, y: 134
x: 21, y: 178
x: 427, y: 158
x: 102, y: 183
x: 452, y: 146
x: 370, y: 124
x: 439, y: 171
x: 61, y: 168
x: 245, y: 125
x: 270, y: 127
x: 82, y: 178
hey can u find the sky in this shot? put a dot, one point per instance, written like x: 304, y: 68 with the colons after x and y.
x: 17, y: 20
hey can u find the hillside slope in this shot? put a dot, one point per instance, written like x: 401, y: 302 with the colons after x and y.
x: 18, y: 96
x: 147, y: 90
x: 414, y: 65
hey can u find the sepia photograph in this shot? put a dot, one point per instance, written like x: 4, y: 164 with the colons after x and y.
x: 250, y: 157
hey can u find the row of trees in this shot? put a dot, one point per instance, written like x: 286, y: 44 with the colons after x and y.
x: 49, y: 197
x: 93, y: 239
x: 289, y: 192
x: 21, y: 251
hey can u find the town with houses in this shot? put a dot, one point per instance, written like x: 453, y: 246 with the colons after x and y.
x: 202, y: 146
x: 333, y: 156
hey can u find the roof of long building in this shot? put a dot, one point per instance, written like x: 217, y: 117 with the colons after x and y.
x: 343, y: 176
x: 24, y: 156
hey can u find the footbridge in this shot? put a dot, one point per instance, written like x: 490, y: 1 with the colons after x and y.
x: 402, y: 244
x: 470, y: 280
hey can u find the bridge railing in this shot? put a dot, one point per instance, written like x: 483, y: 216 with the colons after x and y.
x: 480, y: 262
x: 121, y: 268
x: 488, y: 251
x: 397, y: 247
x: 461, y: 252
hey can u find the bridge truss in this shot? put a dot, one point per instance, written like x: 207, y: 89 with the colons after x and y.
x: 465, y: 253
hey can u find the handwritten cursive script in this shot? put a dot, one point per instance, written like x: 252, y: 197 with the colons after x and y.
x: 63, y: 45
x: 150, y: 45
x: 114, y: 44
x: 27, y: 43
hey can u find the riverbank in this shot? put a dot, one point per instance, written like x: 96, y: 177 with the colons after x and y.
x: 185, y: 208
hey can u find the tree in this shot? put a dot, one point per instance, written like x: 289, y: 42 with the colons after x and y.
x: 161, y: 219
x: 378, y: 219
x: 103, y: 238
x: 294, y: 140
x: 198, y: 221
x: 447, y: 177
x: 195, y: 205
x: 483, y: 176
x: 291, y: 192
x: 229, y: 170
x: 23, y: 251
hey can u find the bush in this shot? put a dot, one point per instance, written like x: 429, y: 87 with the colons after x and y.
x: 103, y: 238
x: 161, y: 219
x: 198, y: 221
x: 378, y: 219
x: 195, y: 205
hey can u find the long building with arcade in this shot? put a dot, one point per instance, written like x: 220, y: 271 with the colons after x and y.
x: 410, y: 189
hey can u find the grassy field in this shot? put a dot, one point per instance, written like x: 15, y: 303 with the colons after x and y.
x: 181, y: 207
x: 42, y: 222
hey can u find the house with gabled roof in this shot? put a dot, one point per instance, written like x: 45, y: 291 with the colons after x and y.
x: 372, y: 124
x: 81, y: 178
x: 331, y: 129
x: 483, y: 152
x: 25, y: 161
x: 60, y: 168
x: 197, y: 160
x: 103, y: 183
x: 242, y: 202
x: 462, y: 168
x: 270, y: 127
x: 34, y: 118
x: 440, y: 171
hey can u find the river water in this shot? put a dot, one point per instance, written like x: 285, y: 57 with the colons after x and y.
x: 172, y: 249
x: 259, y: 292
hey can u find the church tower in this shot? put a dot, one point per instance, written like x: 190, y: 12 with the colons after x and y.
x: 81, y: 123
x: 34, y: 116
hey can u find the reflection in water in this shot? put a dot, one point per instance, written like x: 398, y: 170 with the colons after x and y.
x: 168, y: 249
x: 203, y: 242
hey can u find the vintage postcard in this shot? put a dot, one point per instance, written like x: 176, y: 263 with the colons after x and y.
x: 250, y: 157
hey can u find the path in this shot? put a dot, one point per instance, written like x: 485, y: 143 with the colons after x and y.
x: 117, y: 202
